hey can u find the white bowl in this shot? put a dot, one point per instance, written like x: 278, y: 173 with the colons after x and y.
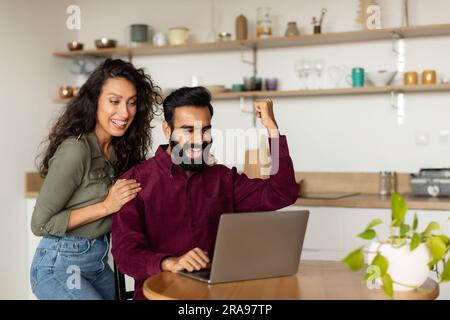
x: 381, y: 78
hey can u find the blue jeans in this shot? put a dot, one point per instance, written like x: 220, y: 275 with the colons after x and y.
x: 72, y: 268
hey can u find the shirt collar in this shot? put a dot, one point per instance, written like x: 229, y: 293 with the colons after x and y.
x: 95, y: 148
x: 164, y: 159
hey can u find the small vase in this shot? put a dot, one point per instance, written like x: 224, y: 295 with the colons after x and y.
x: 292, y: 29
x: 241, y: 27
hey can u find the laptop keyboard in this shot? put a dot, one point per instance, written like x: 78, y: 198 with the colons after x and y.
x: 204, y: 273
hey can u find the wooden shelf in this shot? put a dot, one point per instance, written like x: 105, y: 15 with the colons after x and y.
x: 377, y: 202
x: 61, y: 101
x: 321, y: 92
x: 332, y: 92
x: 149, y: 50
x: 355, y: 36
x: 274, y: 42
x: 119, y: 51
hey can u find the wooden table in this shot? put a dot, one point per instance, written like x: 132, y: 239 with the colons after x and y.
x: 315, y: 280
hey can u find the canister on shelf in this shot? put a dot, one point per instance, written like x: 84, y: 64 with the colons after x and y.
x: 241, y: 27
x: 384, y: 183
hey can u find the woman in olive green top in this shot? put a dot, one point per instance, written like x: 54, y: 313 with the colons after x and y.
x: 104, y: 131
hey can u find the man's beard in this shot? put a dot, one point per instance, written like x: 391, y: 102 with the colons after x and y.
x: 179, y: 152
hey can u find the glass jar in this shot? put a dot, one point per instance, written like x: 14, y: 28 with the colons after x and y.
x: 292, y: 29
x: 384, y: 183
x: 264, y: 23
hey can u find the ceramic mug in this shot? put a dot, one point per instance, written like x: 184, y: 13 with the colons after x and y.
x: 410, y: 78
x: 178, y: 36
x: 356, y: 79
x: 429, y: 77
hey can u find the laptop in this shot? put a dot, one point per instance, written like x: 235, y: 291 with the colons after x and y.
x: 255, y: 245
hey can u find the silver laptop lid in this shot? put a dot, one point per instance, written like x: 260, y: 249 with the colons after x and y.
x: 258, y: 245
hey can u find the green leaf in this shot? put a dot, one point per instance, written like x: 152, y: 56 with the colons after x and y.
x: 388, y: 286
x: 399, y: 208
x: 415, y: 222
x: 437, y: 249
x: 404, y: 229
x: 415, y: 241
x: 445, y: 239
x: 382, y: 263
x: 432, y: 226
x: 445, y: 275
x: 374, y: 223
x: 368, y: 234
x: 355, y: 259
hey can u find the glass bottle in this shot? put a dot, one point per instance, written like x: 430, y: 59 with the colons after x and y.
x: 264, y: 24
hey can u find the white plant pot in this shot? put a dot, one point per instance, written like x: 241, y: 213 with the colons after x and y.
x: 405, y: 267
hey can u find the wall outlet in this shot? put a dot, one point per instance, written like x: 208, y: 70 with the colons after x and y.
x: 444, y: 137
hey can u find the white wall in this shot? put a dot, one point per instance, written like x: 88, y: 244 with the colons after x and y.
x: 347, y: 133
x: 29, y: 32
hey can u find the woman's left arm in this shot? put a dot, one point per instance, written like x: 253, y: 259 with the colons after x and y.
x: 65, y: 173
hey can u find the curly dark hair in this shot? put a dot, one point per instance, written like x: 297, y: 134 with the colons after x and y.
x: 80, y: 115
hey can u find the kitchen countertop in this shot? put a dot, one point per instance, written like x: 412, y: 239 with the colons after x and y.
x: 375, y: 201
x: 351, y: 190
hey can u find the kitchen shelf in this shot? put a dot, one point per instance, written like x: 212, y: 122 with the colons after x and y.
x: 274, y: 42
x: 321, y: 92
x: 333, y: 92
x: 61, y: 101
x: 119, y: 51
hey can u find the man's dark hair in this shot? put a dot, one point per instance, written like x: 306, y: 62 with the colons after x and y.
x: 186, y: 96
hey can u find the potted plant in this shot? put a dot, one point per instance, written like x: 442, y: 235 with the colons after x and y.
x: 403, y: 261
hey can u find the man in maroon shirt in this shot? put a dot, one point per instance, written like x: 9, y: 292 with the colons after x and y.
x: 172, y: 224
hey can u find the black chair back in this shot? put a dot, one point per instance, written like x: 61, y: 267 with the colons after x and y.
x: 121, y: 290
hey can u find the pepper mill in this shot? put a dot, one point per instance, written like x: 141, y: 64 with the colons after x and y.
x: 241, y: 27
x: 393, y: 181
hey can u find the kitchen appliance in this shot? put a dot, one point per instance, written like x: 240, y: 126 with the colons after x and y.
x: 431, y: 183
